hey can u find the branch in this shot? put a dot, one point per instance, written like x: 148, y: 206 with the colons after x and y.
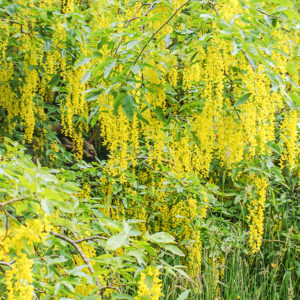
x: 211, y: 2
x: 110, y: 287
x: 161, y: 27
x: 151, y: 5
x: 12, y: 201
x: 265, y: 13
x: 85, y: 259
x: 6, y: 223
x: 7, y: 264
x: 11, y: 21
x: 127, y: 23
x: 2, y: 205
x: 96, y: 237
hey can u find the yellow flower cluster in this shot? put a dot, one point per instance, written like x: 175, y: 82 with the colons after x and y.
x: 19, y: 277
x: 149, y: 285
x: 256, y: 212
x: 289, y: 136
x: 67, y: 6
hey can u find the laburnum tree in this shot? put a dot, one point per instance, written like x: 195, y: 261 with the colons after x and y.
x: 149, y: 149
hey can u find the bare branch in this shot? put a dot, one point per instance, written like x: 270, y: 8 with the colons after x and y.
x: 7, y: 264
x: 265, y: 13
x: 151, y: 5
x: 211, y: 2
x: 96, y: 237
x: 11, y: 21
x: 12, y: 201
x: 110, y: 287
x: 2, y: 205
x: 6, y: 223
x: 161, y: 27
x: 80, y: 252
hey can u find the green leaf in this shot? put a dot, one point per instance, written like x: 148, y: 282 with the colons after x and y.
x: 54, y: 80
x: 139, y: 255
x: 47, y: 206
x: 277, y: 172
x: 160, y: 114
x: 68, y: 285
x: 183, y: 295
x: 135, y: 69
x: 292, y: 68
x: 161, y: 237
x: 116, y: 241
x: 65, y: 206
x: 57, y: 288
x: 82, y: 62
x: 235, y: 173
x: 145, y: 297
x: 51, y: 194
x: 122, y: 296
x: 242, y: 99
x: 167, y: 40
x: 140, y: 117
x: 274, y: 147
x: 117, y: 102
x: 174, y: 249
x: 69, y: 187
x: 108, y: 68
x: 93, y: 95
x: 57, y: 260
x: 285, y: 3
x: 296, y: 98
x: 86, y: 76
x: 131, y: 44
x: 129, y: 106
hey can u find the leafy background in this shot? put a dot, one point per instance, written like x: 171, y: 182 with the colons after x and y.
x: 149, y: 150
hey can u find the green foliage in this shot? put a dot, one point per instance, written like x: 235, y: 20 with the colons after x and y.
x: 55, y: 192
x: 51, y: 183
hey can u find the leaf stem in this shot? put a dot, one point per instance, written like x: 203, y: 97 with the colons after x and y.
x: 160, y: 28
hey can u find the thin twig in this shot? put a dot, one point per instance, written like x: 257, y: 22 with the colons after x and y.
x: 11, y: 21
x: 150, y: 8
x: 12, y: 201
x: 85, y: 259
x: 2, y: 205
x: 211, y: 2
x: 7, y: 264
x: 151, y: 5
x: 96, y: 237
x: 161, y: 27
x: 127, y: 23
x: 265, y: 13
x: 110, y: 287
x: 6, y: 223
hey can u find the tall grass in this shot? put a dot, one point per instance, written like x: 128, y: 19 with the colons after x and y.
x: 272, y: 274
